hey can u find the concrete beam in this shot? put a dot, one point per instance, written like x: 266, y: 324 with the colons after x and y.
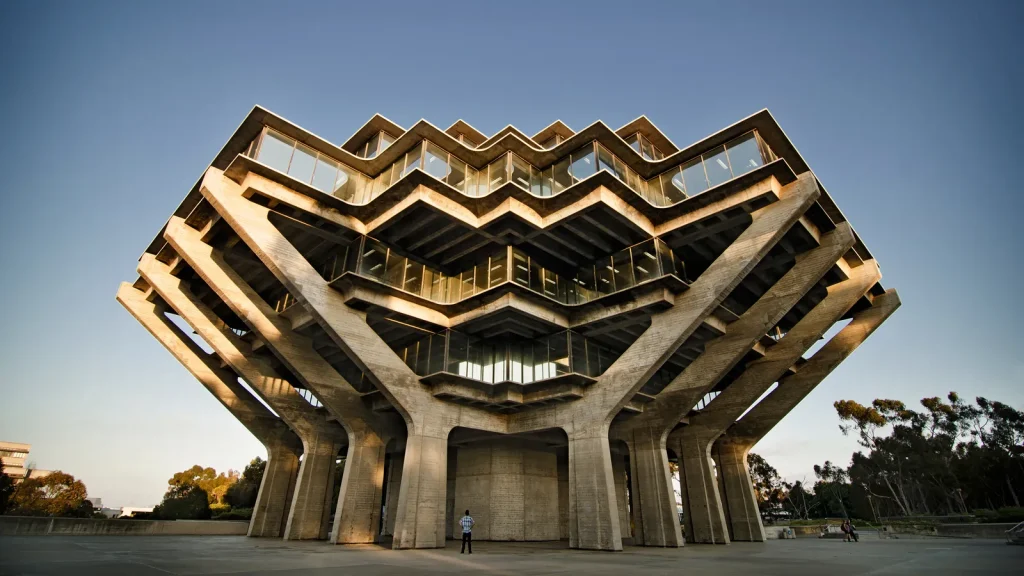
x: 283, y: 446
x: 358, y: 513
x: 321, y: 439
x: 705, y: 427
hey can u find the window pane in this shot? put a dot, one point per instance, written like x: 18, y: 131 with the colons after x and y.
x: 634, y: 141
x: 371, y: 146
x: 373, y: 257
x: 412, y: 159
x: 558, y: 348
x: 605, y: 282
x: 385, y: 141
x: 622, y: 171
x: 645, y: 262
x: 623, y: 270
x: 646, y: 150
x: 520, y: 171
x: 436, y: 161
x: 302, y: 164
x: 550, y: 142
x: 520, y: 268
x: 716, y: 163
x: 497, y: 173
x: 578, y: 354
x: 561, y: 177
x: 325, y: 175
x: 605, y: 160
x: 476, y: 182
x: 393, y: 270
x: 536, y: 276
x: 481, y: 276
x: 654, y: 192
x: 457, y: 174
x: 457, y: 351
x: 550, y: 284
x: 693, y: 175
x: 466, y: 280
x: 498, y: 272
x: 744, y: 155
x: 276, y: 151
x: 413, y: 276
x: 666, y: 257
x: 583, y: 164
x: 585, y: 286
x: 673, y: 187
x: 345, y: 186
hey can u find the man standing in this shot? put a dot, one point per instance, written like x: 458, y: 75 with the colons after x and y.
x: 467, y: 532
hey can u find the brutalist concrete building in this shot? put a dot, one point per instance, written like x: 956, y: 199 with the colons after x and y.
x: 531, y: 327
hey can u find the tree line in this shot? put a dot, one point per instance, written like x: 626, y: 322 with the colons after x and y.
x: 949, y: 459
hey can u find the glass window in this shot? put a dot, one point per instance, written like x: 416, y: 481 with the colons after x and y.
x: 540, y: 182
x: 457, y: 174
x: 412, y: 159
x: 693, y: 175
x: 645, y: 262
x: 520, y: 171
x: 436, y: 161
x: 497, y: 173
x: 520, y: 268
x: 413, y: 276
x: 623, y: 270
x: 585, y: 284
x: 394, y: 269
x: 550, y: 142
x: 536, y: 276
x: 605, y: 160
x: 582, y: 163
x: 498, y: 272
x: 467, y: 284
x: 276, y: 151
x: 744, y: 154
x: 560, y: 176
x: 476, y: 182
x: 634, y: 141
x: 550, y: 284
x: 373, y: 258
x: 458, y: 348
x: 345, y: 186
x: 605, y: 281
x: 673, y: 186
x: 385, y: 141
x: 481, y: 276
x: 385, y: 180
x: 302, y: 164
x: 325, y: 175
x: 622, y: 171
x: 558, y: 350
x: 654, y: 192
x: 666, y: 257
x: 716, y: 164
x: 577, y: 353
x: 646, y: 150
x: 370, y: 150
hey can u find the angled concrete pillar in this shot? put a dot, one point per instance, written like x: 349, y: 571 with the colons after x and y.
x: 621, y: 497
x: 357, y: 516
x: 792, y: 389
x: 283, y: 446
x: 420, y: 517
x: 702, y: 511
x: 321, y: 440
x: 422, y: 497
x: 758, y: 376
x: 593, y: 508
x: 654, y: 504
x: 394, y: 482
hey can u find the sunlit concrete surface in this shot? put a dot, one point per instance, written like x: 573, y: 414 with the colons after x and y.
x: 140, y: 556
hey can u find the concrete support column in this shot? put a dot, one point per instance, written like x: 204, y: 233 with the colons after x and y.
x: 275, y: 496
x: 738, y: 498
x: 420, y: 518
x: 394, y: 483
x: 702, y: 507
x: 357, y: 517
x: 654, y: 502
x: 621, y: 496
x: 593, y: 511
x: 311, y: 500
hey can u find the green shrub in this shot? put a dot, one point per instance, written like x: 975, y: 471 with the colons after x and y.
x: 235, y: 514
x: 1011, y: 514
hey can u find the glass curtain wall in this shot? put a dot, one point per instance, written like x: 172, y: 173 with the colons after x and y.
x: 640, y: 263
x: 711, y: 169
x: 507, y: 359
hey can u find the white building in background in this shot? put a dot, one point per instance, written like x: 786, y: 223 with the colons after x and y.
x: 13, y: 456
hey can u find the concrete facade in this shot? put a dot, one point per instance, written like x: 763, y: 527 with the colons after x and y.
x: 526, y: 327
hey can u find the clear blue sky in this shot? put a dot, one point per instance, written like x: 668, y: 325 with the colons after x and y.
x: 909, y: 112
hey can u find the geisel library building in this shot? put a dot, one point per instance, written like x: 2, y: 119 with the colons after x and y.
x: 531, y: 327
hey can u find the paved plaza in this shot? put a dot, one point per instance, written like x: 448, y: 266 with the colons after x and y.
x: 152, y: 556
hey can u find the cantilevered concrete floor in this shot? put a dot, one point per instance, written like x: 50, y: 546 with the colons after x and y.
x: 144, y: 556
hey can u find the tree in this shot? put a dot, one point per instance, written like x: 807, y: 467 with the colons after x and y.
x: 213, y: 484
x: 242, y: 494
x: 183, y: 502
x: 832, y: 489
x: 56, y: 494
x: 768, y: 486
x: 799, y: 499
x: 6, y: 489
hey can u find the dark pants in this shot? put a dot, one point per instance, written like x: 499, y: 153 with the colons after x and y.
x: 467, y: 538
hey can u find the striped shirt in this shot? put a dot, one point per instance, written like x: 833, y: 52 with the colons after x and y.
x: 467, y: 524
